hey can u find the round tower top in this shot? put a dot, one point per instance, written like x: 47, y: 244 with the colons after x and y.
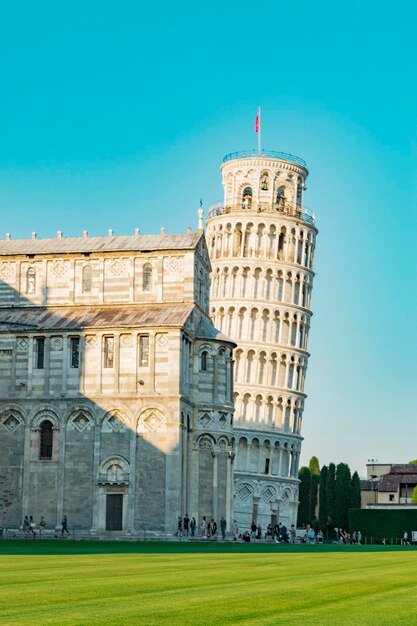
x: 266, y: 181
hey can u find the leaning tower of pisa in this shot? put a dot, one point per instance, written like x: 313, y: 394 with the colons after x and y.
x: 261, y: 241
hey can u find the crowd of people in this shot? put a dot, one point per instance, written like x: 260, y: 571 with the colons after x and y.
x: 208, y: 529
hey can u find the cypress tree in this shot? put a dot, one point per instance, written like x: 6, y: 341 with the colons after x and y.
x: 323, y: 515
x: 355, y: 501
x: 304, y: 476
x: 414, y: 496
x: 343, y: 495
x: 312, y: 505
x: 331, y: 495
x: 314, y: 466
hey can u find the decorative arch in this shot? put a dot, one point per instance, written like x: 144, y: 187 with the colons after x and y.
x: 115, y: 421
x: 45, y: 414
x: 80, y: 419
x: 11, y: 419
x: 115, y: 470
x: 151, y: 420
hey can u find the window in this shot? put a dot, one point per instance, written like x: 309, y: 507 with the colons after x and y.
x: 75, y: 351
x: 267, y: 462
x: 108, y: 352
x: 40, y: 352
x: 87, y: 274
x: 31, y: 280
x: 280, y: 197
x: 391, y: 497
x: 247, y: 198
x: 143, y: 350
x: 147, y: 277
x: 45, y: 440
x: 203, y: 361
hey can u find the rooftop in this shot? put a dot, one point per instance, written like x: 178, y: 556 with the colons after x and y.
x: 76, y: 318
x: 110, y: 243
x: 269, y: 154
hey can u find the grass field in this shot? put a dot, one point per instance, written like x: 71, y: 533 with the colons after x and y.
x: 179, y: 583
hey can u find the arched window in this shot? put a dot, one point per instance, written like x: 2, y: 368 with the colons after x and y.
x: 204, y: 361
x: 280, y: 197
x: 86, y: 279
x: 247, y: 198
x: 147, y: 277
x: 31, y: 280
x: 46, y: 438
x: 264, y: 182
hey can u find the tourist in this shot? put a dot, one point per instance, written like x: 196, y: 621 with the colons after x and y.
x: 213, y: 529
x: 284, y: 534
x: 203, y: 527
x: 320, y: 537
x: 312, y: 536
x: 253, y: 529
x: 405, y: 539
x: 64, y: 525
x: 235, y: 529
x: 25, y: 526
x: 359, y: 537
x: 259, y: 532
x: 246, y: 537
x: 268, y: 535
x: 193, y: 525
x: 179, y: 527
x: 293, y: 533
x: 223, y: 526
x: 32, y: 527
x: 42, y: 522
x: 186, y: 524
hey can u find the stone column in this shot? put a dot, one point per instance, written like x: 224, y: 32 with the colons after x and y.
x: 26, y: 471
x: 131, y: 492
x: 229, y: 488
x: 96, y: 465
x: 275, y: 511
x: 255, y: 508
x: 61, y: 474
x: 214, y: 454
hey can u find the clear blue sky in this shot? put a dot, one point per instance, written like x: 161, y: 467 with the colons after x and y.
x: 117, y: 116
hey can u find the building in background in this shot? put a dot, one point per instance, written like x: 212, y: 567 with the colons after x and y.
x: 261, y: 242
x: 388, y: 484
x: 116, y: 397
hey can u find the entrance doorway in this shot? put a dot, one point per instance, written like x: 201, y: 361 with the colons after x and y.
x: 114, y: 511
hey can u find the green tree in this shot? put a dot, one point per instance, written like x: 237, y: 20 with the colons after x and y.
x: 413, y: 462
x: 323, y: 498
x: 355, y: 499
x: 343, y: 495
x: 314, y: 466
x: 304, y: 476
x: 414, y: 496
x: 314, y: 487
x: 331, y: 495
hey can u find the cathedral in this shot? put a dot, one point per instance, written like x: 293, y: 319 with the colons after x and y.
x: 116, y: 404
x: 131, y: 395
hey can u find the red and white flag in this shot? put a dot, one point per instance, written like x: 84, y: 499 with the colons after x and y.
x: 257, y: 123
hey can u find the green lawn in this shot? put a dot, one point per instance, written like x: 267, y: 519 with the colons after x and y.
x: 145, y: 583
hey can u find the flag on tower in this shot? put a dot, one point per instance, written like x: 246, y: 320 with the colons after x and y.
x: 258, y: 128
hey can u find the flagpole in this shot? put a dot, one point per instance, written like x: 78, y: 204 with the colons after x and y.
x: 259, y: 133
